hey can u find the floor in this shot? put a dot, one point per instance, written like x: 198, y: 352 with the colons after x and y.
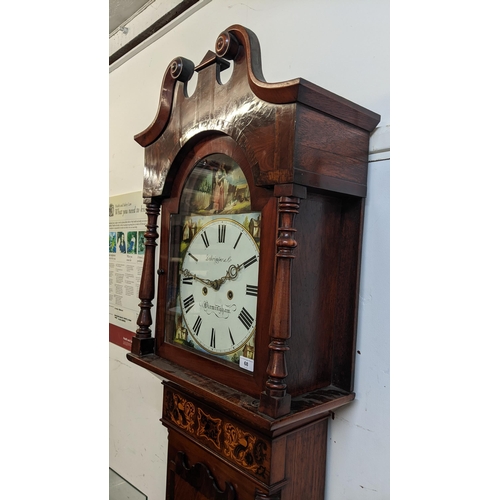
x: 119, y: 489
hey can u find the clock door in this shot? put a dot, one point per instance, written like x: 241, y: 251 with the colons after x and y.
x: 195, y: 483
x: 216, y: 226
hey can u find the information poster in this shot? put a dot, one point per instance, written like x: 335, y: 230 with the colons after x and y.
x: 127, y: 225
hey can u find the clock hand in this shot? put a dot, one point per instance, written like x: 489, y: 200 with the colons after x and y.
x: 231, y: 274
x: 210, y: 283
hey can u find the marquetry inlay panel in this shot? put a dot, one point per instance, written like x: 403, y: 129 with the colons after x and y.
x: 223, y: 435
x: 209, y: 428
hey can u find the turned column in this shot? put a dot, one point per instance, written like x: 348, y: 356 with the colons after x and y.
x: 143, y: 342
x: 274, y: 400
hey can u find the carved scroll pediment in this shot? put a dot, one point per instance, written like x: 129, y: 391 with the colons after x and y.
x: 235, y: 43
x: 261, y: 118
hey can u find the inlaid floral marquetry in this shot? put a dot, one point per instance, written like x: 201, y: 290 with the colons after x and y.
x: 218, y: 432
x: 180, y: 411
x: 209, y: 428
x: 245, y: 449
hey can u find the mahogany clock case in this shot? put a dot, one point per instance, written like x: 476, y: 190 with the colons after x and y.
x: 304, y: 153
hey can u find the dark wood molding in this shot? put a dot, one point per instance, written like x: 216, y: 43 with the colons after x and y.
x: 155, y: 27
x: 304, y: 409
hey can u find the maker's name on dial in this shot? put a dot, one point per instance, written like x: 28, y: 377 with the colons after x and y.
x: 217, y: 260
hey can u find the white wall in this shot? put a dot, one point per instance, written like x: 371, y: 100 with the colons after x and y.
x: 342, y: 45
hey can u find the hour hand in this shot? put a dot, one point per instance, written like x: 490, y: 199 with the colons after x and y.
x: 189, y: 274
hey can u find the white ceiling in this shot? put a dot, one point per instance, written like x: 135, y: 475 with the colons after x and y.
x: 122, y: 10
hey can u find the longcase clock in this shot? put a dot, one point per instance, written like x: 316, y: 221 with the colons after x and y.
x: 260, y: 187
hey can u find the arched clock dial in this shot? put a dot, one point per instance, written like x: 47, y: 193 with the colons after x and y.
x: 219, y: 286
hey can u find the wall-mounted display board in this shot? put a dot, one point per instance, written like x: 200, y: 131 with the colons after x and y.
x: 260, y: 187
x: 127, y: 217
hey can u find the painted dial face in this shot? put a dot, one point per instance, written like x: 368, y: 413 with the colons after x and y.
x: 219, y: 286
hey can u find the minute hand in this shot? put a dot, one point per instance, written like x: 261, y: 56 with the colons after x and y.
x: 231, y: 274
